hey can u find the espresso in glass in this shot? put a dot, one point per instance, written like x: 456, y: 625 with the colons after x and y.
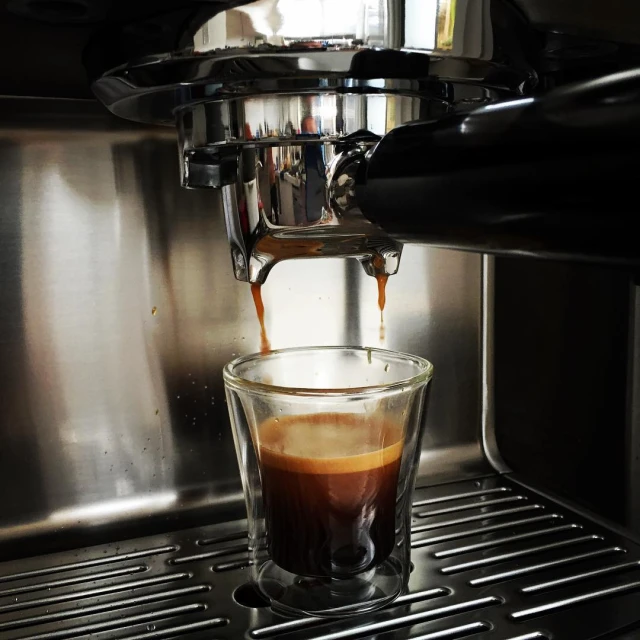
x: 329, y: 485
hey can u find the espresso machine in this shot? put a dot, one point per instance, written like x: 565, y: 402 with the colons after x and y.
x: 478, y: 156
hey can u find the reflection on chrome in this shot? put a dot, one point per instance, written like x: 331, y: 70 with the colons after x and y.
x: 446, y: 26
x: 298, y: 201
x: 110, y: 509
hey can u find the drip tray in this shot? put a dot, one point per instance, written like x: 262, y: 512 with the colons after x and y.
x: 492, y: 560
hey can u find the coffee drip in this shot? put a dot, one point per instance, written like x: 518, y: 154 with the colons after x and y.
x: 256, y: 292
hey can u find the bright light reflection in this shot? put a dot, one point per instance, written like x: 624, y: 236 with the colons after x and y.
x: 110, y: 508
x: 305, y: 18
x: 498, y: 106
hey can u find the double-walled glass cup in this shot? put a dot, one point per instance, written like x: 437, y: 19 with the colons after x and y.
x: 328, y: 441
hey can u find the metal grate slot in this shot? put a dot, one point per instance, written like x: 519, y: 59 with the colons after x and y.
x: 411, y: 619
x: 471, y: 505
x: 579, y: 577
x: 92, y: 593
x: 525, y: 614
x: 123, y: 622
x: 306, y: 623
x: 423, y: 542
x: 231, y: 566
x: 218, y: 553
x: 178, y: 631
x: 461, y: 496
x: 84, y: 564
x: 542, y: 566
x: 465, y: 566
x: 76, y: 612
x: 232, y: 537
x: 482, y: 516
x: 489, y: 533
x: 463, y: 631
x: 67, y: 582
x: 499, y: 542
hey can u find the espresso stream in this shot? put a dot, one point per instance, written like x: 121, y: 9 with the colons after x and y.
x: 329, y: 487
x: 256, y: 292
x: 265, y: 344
x: 382, y: 301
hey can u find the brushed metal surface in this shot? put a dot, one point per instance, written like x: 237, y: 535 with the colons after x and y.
x: 118, y: 309
x: 555, y: 574
x: 633, y: 413
x: 488, y: 415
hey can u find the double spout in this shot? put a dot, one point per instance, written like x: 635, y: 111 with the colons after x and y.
x: 290, y: 196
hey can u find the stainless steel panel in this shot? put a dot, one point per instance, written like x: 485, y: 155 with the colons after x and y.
x: 542, y: 574
x: 633, y: 414
x: 488, y: 415
x: 118, y: 309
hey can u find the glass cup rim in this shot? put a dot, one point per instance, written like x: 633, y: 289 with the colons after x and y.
x: 232, y: 379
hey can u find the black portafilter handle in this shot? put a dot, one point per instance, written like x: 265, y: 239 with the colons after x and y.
x: 553, y: 177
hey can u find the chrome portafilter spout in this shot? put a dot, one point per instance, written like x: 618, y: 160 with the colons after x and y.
x: 288, y: 193
x: 278, y: 102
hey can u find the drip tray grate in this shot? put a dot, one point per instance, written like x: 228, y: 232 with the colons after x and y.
x: 493, y: 561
